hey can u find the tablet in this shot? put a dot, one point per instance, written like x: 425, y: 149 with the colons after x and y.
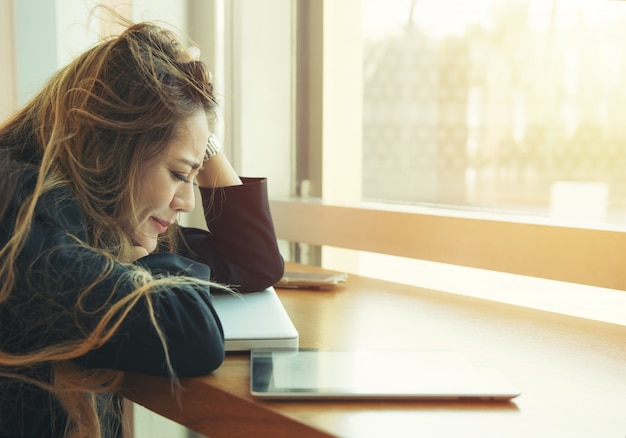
x: 415, y: 375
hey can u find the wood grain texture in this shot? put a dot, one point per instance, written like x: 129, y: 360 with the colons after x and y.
x: 571, y: 371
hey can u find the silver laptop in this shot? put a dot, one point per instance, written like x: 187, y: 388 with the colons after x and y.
x: 255, y: 320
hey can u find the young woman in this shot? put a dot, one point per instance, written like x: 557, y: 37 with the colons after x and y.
x: 96, y: 276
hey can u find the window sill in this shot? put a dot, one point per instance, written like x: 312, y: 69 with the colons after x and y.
x: 585, y: 256
x: 589, y: 302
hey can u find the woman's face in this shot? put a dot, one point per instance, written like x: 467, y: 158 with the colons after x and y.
x: 166, y: 186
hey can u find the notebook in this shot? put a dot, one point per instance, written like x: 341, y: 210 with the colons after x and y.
x: 255, y: 320
x: 358, y: 374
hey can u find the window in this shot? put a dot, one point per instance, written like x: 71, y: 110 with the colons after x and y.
x: 516, y: 106
x: 460, y: 138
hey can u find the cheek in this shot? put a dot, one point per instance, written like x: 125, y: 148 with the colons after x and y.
x: 155, y: 192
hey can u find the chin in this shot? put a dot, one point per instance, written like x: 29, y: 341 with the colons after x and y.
x: 149, y: 244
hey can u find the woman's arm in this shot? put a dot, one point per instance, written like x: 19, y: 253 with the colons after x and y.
x: 218, y: 172
x: 62, y: 290
x: 189, y: 323
x: 44, y: 312
x: 241, y: 245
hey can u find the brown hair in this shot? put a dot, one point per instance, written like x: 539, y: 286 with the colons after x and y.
x: 90, y: 129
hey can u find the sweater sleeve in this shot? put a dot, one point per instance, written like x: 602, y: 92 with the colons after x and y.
x: 190, y: 326
x: 54, y: 303
x: 241, y: 245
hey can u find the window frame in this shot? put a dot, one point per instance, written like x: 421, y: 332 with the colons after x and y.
x: 512, y: 244
x: 572, y: 254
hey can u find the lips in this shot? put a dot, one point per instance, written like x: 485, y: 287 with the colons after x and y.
x: 160, y: 225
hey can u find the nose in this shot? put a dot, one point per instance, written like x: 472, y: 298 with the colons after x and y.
x: 184, y: 199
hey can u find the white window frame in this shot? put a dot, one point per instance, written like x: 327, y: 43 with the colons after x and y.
x: 258, y: 99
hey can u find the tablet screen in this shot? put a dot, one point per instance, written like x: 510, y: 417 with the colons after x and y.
x: 307, y: 373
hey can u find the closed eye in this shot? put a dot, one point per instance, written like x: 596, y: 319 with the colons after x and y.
x: 181, y: 177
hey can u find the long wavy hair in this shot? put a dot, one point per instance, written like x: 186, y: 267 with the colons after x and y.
x: 90, y: 129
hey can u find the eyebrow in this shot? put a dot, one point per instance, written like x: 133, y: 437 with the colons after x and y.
x: 195, y: 165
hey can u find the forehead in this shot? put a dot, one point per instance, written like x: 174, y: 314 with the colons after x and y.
x: 190, y: 139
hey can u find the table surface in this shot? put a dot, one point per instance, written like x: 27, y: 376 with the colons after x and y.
x: 571, y: 371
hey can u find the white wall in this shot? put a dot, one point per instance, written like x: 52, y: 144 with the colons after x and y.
x: 261, y: 90
x: 8, y: 94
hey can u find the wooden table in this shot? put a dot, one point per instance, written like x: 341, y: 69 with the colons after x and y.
x: 571, y: 371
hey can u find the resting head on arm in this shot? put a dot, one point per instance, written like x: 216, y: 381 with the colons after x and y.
x: 123, y: 129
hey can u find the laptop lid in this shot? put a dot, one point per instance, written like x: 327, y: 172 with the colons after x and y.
x: 398, y: 374
x: 255, y: 320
